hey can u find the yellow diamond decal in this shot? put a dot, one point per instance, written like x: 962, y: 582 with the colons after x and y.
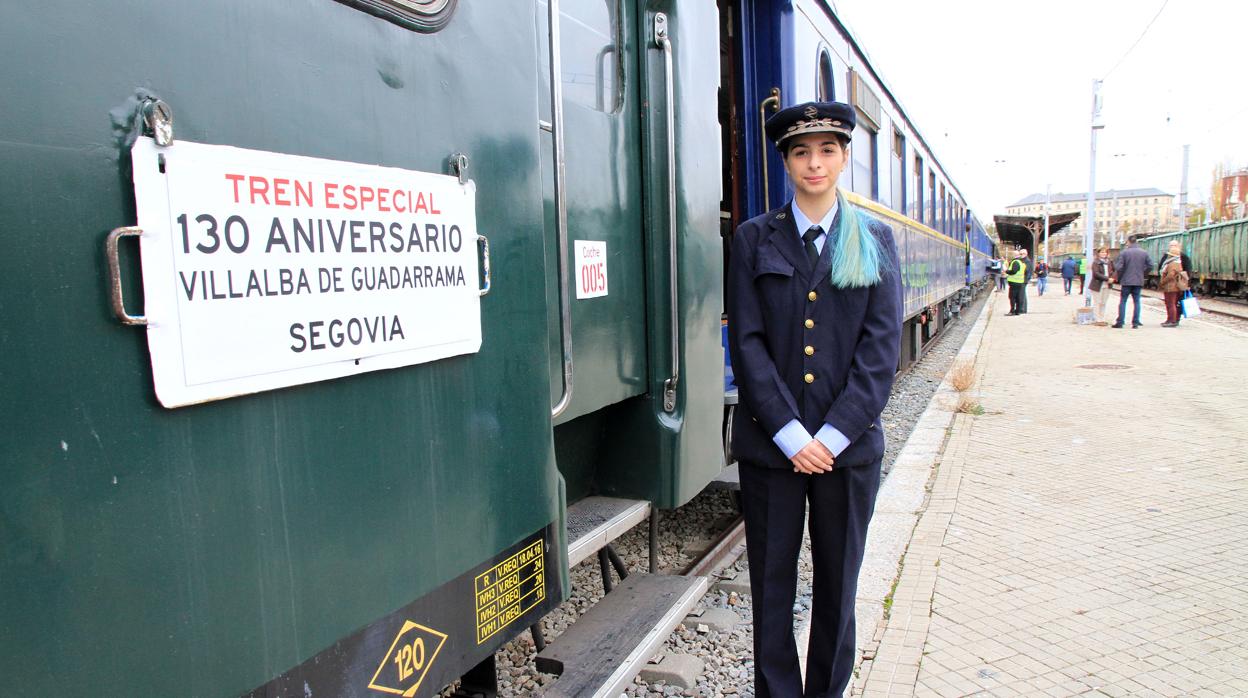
x: 411, y: 654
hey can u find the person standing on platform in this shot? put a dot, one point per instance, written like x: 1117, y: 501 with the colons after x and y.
x: 1102, y: 277
x: 1173, y: 282
x: 814, y: 316
x: 1042, y: 275
x: 995, y: 269
x: 1176, y: 248
x: 1031, y: 267
x: 1016, y: 277
x: 1083, y: 273
x: 1068, y: 274
x: 1001, y: 277
x: 1130, y: 267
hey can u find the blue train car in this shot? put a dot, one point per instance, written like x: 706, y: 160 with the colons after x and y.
x: 980, y: 251
x: 787, y: 53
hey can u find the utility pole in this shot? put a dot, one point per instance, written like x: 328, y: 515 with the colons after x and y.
x: 1097, y: 125
x: 1113, y: 226
x: 1183, y: 192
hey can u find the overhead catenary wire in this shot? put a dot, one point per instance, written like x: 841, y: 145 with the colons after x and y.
x: 1138, y: 39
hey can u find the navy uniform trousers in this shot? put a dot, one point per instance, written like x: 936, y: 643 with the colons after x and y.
x: 774, y: 502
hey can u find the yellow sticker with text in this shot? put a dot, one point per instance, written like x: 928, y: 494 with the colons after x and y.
x: 411, y: 654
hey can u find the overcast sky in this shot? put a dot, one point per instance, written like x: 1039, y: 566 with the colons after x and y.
x: 1002, y: 89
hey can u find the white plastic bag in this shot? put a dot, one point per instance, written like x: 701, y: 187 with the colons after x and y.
x: 1189, y: 305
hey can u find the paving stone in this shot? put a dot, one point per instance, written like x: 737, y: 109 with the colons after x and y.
x: 676, y: 669
x: 1087, y: 532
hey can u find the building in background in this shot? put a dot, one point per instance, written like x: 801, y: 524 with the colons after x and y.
x: 1119, y: 214
x: 1231, y: 196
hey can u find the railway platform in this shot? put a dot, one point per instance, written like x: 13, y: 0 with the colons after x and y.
x: 1087, y: 533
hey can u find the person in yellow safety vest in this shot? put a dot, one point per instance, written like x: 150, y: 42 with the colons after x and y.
x: 1016, y: 277
x: 1083, y: 271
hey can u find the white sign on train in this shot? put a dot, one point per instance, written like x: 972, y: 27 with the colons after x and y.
x: 590, y: 268
x: 263, y: 270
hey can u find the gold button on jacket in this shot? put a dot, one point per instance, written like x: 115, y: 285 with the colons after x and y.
x: 810, y: 378
x: 812, y: 295
x: 810, y: 351
x: 810, y: 324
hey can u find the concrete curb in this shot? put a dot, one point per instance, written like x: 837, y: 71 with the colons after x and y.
x: 900, y: 502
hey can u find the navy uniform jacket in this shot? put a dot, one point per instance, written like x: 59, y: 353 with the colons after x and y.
x: 854, y: 337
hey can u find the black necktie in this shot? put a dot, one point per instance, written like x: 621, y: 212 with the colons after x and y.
x: 812, y: 252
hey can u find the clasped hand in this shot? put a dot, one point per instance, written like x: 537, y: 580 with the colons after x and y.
x: 813, y: 459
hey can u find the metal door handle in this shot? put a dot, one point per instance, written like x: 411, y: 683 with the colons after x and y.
x: 772, y: 101
x: 662, y: 41
x: 561, y: 209
x: 114, y: 275
x: 484, y: 243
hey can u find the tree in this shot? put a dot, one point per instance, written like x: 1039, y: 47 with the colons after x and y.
x: 1216, y: 195
x: 1196, y: 216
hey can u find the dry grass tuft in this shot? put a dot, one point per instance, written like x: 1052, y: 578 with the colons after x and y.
x: 962, y: 376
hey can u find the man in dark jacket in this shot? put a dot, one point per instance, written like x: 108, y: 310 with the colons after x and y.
x: 1130, y: 268
x: 814, y: 331
x: 1068, y: 274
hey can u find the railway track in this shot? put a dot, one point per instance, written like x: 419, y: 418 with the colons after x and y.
x: 1223, y: 307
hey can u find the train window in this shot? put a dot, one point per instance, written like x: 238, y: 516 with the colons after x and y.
x: 825, y: 88
x: 863, y: 154
x: 931, y: 199
x: 898, y: 171
x: 917, y: 213
x: 420, y: 15
x: 590, y: 53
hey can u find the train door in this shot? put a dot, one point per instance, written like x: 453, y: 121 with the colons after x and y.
x: 601, y: 204
x: 626, y: 150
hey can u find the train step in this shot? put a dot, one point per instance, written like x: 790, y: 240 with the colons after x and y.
x: 601, y: 653
x: 594, y: 522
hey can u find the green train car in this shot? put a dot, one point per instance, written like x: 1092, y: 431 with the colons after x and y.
x: 316, y: 316
x: 1219, y: 254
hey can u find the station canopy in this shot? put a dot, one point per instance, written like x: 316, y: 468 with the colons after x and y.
x: 1028, y: 231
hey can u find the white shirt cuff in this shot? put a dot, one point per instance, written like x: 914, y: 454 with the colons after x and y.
x: 792, y: 438
x: 832, y: 438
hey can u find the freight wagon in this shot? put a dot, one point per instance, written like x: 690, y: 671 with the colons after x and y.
x: 1219, y: 254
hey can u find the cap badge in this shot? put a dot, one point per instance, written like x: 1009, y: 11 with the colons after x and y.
x: 811, y: 112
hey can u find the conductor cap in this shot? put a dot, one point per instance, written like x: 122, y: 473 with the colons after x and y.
x: 811, y: 117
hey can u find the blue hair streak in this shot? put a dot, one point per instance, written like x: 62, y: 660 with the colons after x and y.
x: 856, y: 254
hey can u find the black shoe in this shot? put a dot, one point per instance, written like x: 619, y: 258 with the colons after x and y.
x: 1134, y: 325
x: 1117, y: 325
x: 1167, y: 324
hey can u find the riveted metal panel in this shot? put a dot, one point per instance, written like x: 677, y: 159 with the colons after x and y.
x: 206, y: 550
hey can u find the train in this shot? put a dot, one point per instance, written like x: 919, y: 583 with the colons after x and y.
x: 1219, y: 255
x: 337, y: 331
